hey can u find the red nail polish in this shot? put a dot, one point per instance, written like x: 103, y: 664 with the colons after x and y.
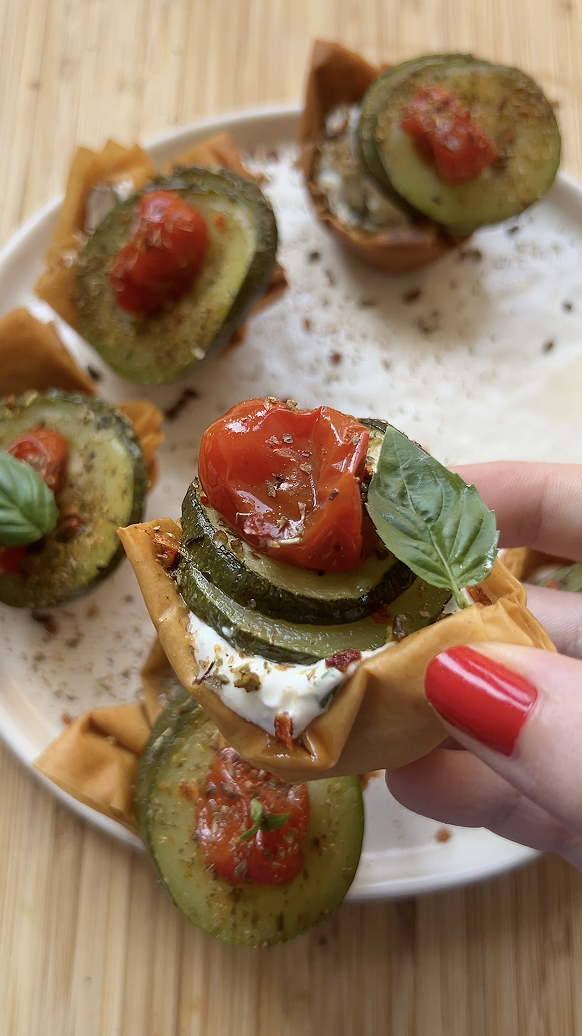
x: 479, y: 696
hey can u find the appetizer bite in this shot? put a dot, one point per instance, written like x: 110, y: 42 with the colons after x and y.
x: 463, y: 141
x: 71, y: 471
x: 567, y: 577
x: 322, y: 561
x: 247, y: 857
x: 72, y: 468
x: 436, y: 146
x: 368, y: 219
x: 159, y: 272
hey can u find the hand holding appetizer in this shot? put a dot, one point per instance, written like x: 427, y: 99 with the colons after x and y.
x: 313, y: 671
x: 516, y: 710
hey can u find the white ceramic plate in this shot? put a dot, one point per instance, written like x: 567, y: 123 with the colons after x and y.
x: 478, y: 357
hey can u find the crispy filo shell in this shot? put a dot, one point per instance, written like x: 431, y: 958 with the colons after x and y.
x: 338, y: 76
x: 380, y: 716
x: 96, y: 757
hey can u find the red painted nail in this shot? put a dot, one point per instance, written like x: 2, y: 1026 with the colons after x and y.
x: 479, y: 696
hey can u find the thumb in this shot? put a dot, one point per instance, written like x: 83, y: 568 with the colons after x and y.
x: 518, y: 709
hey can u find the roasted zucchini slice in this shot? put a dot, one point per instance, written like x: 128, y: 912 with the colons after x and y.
x: 236, y: 272
x: 105, y: 486
x: 276, y: 589
x: 514, y: 114
x: 373, y: 103
x: 177, y: 758
x: 293, y: 642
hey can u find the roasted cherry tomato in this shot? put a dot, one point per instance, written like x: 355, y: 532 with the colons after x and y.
x: 288, y: 481
x: 11, y: 559
x: 164, y: 254
x: 444, y: 131
x: 268, y: 849
x: 46, y: 451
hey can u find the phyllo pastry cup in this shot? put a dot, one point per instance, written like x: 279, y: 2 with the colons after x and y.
x: 340, y: 77
x: 128, y: 170
x: 379, y: 717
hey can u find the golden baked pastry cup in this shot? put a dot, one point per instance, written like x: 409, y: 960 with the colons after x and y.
x: 339, y: 76
x: 379, y: 717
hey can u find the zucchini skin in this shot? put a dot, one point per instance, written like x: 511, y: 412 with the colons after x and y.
x: 275, y: 639
x: 371, y: 106
x: 222, y: 560
x: 517, y: 117
x: 170, y: 345
x: 258, y: 618
x: 57, y: 570
x: 568, y: 578
x: 180, y: 750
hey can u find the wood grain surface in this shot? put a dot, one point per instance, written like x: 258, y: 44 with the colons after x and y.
x: 89, y: 944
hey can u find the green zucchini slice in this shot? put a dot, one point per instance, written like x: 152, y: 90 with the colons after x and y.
x: 372, y: 104
x: 567, y: 578
x: 105, y: 485
x: 254, y: 601
x: 513, y: 112
x: 293, y: 642
x: 278, y: 590
x: 180, y: 752
x: 159, y: 349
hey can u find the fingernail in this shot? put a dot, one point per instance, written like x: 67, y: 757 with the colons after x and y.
x: 479, y: 696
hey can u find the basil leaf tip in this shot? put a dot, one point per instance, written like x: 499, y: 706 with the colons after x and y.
x: 430, y: 518
x: 28, y: 510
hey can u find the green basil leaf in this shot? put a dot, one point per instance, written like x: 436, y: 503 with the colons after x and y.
x: 257, y: 812
x: 27, y: 506
x: 429, y: 518
x: 272, y: 821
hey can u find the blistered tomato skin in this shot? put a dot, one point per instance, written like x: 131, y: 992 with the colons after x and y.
x: 288, y: 481
x: 164, y: 254
x: 269, y: 857
x: 45, y: 450
x: 445, y: 133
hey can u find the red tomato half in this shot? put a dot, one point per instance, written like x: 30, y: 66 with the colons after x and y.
x: 164, y: 254
x: 11, y: 559
x: 444, y: 131
x: 46, y: 451
x: 288, y: 481
x: 224, y: 817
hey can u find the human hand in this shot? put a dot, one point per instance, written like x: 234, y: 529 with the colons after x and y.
x: 515, y: 712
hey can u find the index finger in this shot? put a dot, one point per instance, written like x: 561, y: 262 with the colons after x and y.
x: 536, y: 505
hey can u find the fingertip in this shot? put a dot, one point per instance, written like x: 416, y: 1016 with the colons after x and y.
x: 479, y: 696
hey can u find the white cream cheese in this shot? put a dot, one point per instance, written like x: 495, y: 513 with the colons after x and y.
x: 350, y: 196
x: 265, y: 689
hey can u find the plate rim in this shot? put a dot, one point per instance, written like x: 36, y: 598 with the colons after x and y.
x: 508, y: 855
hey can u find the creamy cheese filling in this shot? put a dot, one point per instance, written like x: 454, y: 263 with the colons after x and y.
x: 258, y: 689
x: 102, y: 199
x: 350, y: 196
